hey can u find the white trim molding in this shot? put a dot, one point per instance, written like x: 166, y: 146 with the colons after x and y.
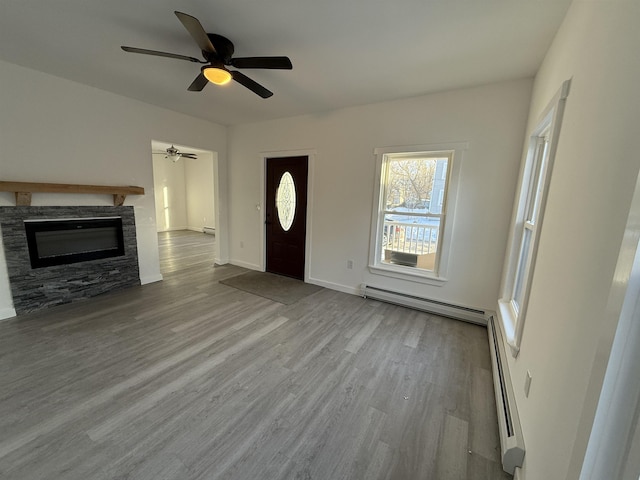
x: 250, y: 266
x: 536, y: 167
x: 335, y: 286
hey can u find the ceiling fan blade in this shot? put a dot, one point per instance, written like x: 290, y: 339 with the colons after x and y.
x: 198, y: 84
x: 252, y: 85
x: 156, y: 53
x: 194, y: 27
x: 281, y: 63
x: 192, y: 156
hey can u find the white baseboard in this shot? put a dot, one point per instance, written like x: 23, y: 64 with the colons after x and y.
x: 195, y: 229
x: 250, y: 266
x: 174, y: 229
x: 438, y: 307
x: 151, y: 279
x: 335, y: 286
x: 6, y: 313
x: 512, y: 448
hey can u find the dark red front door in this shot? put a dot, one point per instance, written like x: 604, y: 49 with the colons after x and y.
x: 286, y: 215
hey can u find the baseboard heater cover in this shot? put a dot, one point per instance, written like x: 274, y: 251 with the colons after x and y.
x: 209, y: 230
x: 511, y: 441
x: 427, y: 305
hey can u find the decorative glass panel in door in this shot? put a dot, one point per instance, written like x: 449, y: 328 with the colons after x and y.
x: 286, y: 201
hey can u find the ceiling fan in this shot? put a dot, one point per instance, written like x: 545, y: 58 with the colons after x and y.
x: 174, y: 154
x: 217, y: 52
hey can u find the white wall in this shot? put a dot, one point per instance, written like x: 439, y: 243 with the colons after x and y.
x: 490, y: 118
x: 54, y: 130
x: 170, y: 194
x: 184, y: 192
x: 596, y: 166
x: 200, y: 195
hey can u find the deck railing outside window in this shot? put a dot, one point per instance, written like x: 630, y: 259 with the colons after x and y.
x: 410, y: 238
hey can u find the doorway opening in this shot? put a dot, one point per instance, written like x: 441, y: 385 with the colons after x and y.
x: 186, y: 201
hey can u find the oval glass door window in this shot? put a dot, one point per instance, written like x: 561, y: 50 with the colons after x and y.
x: 286, y: 201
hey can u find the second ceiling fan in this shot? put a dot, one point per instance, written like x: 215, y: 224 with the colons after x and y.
x: 218, y: 54
x: 174, y: 154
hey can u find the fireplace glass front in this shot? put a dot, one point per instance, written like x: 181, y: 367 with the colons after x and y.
x: 59, y: 242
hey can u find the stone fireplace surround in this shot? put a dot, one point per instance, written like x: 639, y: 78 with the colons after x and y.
x: 35, y: 289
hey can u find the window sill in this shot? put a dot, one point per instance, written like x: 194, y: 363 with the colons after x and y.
x: 407, y: 273
x: 508, y: 322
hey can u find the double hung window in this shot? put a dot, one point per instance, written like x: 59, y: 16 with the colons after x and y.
x: 527, y: 222
x: 412, y: 210
x: 528, y: 228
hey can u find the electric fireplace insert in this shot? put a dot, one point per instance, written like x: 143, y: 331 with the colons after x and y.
x: 60, y: 242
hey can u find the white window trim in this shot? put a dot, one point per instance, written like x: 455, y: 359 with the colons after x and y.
x: 550, y: 120
x: 439, y: 277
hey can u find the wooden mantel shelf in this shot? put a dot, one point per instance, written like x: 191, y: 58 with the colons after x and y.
x: 23, y: 190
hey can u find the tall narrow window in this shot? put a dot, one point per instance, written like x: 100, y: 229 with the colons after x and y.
x: 409, y: 230
x: 529, y: 227
x: 529, y: 211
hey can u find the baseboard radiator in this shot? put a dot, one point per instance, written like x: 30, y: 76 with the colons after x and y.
x: 511, y: 441
x: 432, y: 306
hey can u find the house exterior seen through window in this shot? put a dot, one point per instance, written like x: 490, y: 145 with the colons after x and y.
x: 412, y: 212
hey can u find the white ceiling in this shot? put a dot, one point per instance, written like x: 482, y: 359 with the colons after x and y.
x: 344, y: 52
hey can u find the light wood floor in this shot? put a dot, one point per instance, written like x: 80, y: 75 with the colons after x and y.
x: 190, y: 379
x: 183, y: 249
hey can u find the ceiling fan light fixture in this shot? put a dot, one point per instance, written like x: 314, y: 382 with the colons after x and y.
x: 217, y: 75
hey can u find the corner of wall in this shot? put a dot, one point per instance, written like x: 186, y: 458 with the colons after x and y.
x: 6, y: 313
x: 150, y: 279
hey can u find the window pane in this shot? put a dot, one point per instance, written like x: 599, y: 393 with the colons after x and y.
x: 286, y: 201
x: 518, y: 290
x: 411, y: 212
x: 539, y: 181
x: 536, y: 182
x: 415, y: 184
x: 410, y: 240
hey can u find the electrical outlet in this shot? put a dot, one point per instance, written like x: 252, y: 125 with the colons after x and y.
x: 350, y: 264
x: 527, y: 384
